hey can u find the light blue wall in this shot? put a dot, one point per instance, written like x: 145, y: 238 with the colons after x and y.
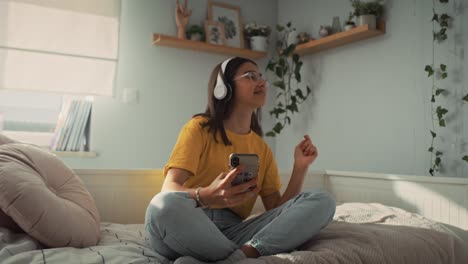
x: 371, y: 110
x: 172, y: 84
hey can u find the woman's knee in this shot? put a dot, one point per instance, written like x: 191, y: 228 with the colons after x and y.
x: 167, y: 205
x: 323, y: 204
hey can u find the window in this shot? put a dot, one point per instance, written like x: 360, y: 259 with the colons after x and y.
x: 31, y: 117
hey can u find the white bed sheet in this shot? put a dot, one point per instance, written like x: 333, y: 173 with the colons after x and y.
x: 127, y: 243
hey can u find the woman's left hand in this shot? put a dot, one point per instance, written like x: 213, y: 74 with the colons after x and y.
x: 305, y: 153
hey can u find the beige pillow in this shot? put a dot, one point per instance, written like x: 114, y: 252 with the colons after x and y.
x: 45, y: 198
x: 5, y: 220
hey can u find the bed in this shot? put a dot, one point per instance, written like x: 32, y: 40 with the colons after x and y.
x: 379, y: 219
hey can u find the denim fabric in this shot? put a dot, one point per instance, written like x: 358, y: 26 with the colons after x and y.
x: 176, y: 227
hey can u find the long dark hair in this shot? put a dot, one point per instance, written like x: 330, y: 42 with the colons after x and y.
x: 219, y: 110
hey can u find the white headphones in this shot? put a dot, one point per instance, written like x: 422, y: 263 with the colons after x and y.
x: 222, y: 90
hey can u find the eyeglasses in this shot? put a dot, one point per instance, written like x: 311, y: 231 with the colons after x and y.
x: 253, y: 76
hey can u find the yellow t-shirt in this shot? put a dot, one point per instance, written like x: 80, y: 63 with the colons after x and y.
x: 197, y: 152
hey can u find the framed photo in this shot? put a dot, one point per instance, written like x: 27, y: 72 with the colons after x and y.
x: 229, y: 16
x: 214, y: 32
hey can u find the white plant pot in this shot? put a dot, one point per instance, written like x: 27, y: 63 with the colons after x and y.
x: 196, y: 37
x: 292, y: 37
x: 259, y: 43
x: 367, y: 19
x: 348, y: 27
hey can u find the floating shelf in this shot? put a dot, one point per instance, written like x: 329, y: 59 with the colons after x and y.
x: 340, y: 39
x: 174, y: 42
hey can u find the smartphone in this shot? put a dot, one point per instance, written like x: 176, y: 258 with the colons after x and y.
x: 250, y: 163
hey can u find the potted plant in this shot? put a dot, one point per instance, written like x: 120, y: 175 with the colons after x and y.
x: 286, y: 66
x: 349, y: 23
x: 195, y: 32
x: 367, y: 12
x: 257, y: 35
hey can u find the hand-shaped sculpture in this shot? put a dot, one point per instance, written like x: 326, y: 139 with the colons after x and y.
x: 182, y: 18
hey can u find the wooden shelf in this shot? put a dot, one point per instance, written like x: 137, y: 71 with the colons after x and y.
x: 174, y: 42
x: 340, y: 39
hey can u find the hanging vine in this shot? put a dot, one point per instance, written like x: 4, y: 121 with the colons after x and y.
x: 441, y: 21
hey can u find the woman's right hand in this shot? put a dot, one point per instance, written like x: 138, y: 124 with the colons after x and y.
x: 221, y: 194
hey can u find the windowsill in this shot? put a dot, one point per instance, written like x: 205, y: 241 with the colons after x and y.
x: 75, y: 154
x: 43, y: 140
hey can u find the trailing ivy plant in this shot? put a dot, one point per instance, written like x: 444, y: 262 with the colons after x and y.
x: 432, y: 70
x: 286, y: 66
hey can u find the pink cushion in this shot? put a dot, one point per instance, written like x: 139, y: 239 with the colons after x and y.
x: 45, y: 198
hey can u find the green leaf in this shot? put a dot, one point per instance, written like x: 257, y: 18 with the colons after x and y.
x: 435, y: 18
x: 279, y: 28
x: 309, y: 91
x: 437, y: 161
x: 444, y: 75
x: 431, y: 171
x: 441, y: 111
x: 439, y: 91
x: 289, y: 24
x: 429, y: 70
x: 465, y: 98
x: 444, y: 23
x: 297, y: 75
x: 431, y: 149
x: 433, y: 99
x: 433, y: 134
x: 279, y: 72
x: 270, y: 134
x: 293, y: 99
x: 443, y: 67
x: 445, y: 17
x: 442, y: 123
x: 444, y: 1
x: 280, y: 84
x: 300, y: 94
x: 288, y: 119
x: 295, y: 57
x: 271, y: 66
x: 289, y: 50
x: 438, y: 153
x: 465, y: 158
x: 278, y: 127
x: 294, y: 107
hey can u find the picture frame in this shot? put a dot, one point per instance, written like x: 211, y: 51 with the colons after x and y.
x: 214, y: 32
x: 229, y: 16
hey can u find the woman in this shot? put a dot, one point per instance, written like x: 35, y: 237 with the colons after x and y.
x: 199, y: 216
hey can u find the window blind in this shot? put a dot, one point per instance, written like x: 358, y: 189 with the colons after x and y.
x: 59, y: 46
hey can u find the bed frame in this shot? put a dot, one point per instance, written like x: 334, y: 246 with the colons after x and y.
x: 122, y: 195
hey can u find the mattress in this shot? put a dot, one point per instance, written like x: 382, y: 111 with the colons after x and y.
x: 360, y: 233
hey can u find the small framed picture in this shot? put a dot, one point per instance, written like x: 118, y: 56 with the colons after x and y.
x: 214, y: 32
x: 230, y: 17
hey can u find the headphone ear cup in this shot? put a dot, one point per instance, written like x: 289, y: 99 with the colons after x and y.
x: 220, y: 91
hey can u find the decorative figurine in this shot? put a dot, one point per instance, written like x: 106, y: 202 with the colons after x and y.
x: 182, y: 18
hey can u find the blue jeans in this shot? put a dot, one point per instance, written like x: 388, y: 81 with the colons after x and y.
x: 176, y: 227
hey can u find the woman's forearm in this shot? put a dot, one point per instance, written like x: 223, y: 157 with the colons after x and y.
x: 170, y: 186
x: 295, y: 184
